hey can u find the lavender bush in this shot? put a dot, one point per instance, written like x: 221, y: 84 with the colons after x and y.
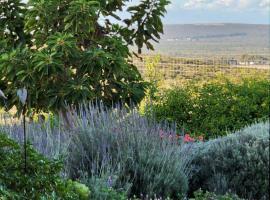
x: 114, y: 148
x: 126, y: 149
x: 48, y: 139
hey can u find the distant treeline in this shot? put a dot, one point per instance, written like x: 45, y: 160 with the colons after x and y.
x: 247, y: 57
x: 244, y: 59
x: 222, y: 60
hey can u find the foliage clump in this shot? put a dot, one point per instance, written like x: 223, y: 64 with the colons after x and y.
x: 200, y: 195
x: 67, y: 52
x: 40, y: 181
x: 238, y: 163
x: 215, y: 108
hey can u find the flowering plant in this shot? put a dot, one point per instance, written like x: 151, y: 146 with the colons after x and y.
x: 175, y: 136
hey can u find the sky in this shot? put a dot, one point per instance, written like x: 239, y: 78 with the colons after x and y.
x: 218, y: 11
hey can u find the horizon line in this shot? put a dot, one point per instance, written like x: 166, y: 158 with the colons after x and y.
x: 217, y: 23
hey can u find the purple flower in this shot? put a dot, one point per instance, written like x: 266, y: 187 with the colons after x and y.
x: 109, y: 182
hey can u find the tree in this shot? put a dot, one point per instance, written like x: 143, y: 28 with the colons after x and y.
x: 65, y: 52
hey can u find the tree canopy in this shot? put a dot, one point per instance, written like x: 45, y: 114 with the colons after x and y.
x: 68, y: 51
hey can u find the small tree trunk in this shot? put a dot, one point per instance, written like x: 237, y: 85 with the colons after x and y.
x: 66, y: 119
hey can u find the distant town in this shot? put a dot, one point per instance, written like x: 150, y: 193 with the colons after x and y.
x: 201, y: 37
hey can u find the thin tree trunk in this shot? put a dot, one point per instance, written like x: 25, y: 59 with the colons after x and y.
x: 66, y: 119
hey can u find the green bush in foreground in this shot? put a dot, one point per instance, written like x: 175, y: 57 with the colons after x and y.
x: 41, y: 181
x: 200, y: 195
x: 102, y: 191
x: 238, y: 163
x: 213, y: 109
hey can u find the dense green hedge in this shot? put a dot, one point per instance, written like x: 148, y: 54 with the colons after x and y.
x: 213, y: 108
x: 237, y: 163
x: 41, y: 180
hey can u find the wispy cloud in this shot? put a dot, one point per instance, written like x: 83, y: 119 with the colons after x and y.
x: 196, y: 11
x: 265, y: 3
x: 221, y: 4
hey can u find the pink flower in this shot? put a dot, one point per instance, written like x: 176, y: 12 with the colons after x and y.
x: 187, y: 138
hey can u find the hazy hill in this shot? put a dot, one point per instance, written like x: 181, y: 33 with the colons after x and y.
x: 214, y: 39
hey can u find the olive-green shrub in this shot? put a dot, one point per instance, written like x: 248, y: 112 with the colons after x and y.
x: 40, y: 180
x: 101, y: 190
x: 214, y: 108
x: 238, y: 163
x: 200, y: 195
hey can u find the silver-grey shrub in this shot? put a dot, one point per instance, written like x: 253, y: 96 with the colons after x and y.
x: 48, y: 138
x: 126, y: 151
x: 112, y: 148
x: 238, y: 163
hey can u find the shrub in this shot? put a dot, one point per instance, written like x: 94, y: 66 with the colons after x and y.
x: 126, y: 150
x: 213, y: 109
x: 238, y: 163
x: 48, y: 138
x: 200, y: 195
x: 80, y: 189
x: 40, y: 181
x: 101, y: 190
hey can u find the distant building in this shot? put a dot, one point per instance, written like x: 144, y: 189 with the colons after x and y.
x: 172, y: 39
x: 263, y: 62
x: 232, y: 62
x: 252, y: 63
x: 244, y: 63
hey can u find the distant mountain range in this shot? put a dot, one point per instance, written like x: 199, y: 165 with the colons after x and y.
x: 214, y: 39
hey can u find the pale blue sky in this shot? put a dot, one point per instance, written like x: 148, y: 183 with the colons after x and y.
x: 216, y: 11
